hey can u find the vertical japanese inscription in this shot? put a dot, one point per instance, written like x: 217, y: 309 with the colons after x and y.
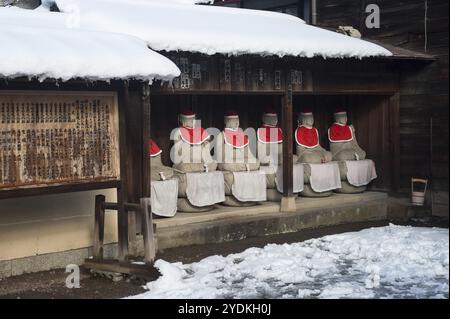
x: 52, y: 138
x: 184, y: 77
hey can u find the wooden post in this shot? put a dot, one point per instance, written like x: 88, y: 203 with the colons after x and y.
x: 288, y: 200
x: 149, y: 238
x: 99, y: 228
x: 146, y: 135
x: 146, y: 213
x: 122, y: 218
x: 394, y: 140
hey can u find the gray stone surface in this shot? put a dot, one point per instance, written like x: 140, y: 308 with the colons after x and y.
x: 228, y: 229
x: 48, y: 261
x: 5, y: 269
x: 228, y: 224
x: 51, y: 261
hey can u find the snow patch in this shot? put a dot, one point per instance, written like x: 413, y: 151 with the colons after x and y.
x: 385, y: 262
x: 36, y: 43
x: 210, y: 29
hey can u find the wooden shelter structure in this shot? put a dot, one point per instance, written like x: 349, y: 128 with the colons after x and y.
x: 208, y: 84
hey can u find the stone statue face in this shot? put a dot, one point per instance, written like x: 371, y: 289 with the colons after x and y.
x: 232, y: 123
x: 341, y: 118
x: 306, y: 120
x: 187, y: 122
x: 270, y: 120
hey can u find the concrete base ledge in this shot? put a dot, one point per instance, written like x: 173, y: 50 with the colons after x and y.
x: 57, y: 260
x: 225, y: 224
x: 266, y: 219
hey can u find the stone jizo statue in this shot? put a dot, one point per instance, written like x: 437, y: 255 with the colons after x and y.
x: 164, y: 188
x: 199, y: 185
x: 270, y: 155
x: 236, y: 153
x: 356, y: 171
x: 342, y: 137
x: 192, y: 146
x: 159, y: 172
x: 321, y: 176
x: 239, y: 165
x: 309, y: 149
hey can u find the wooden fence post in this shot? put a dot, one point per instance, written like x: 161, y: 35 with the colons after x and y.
x: 99, y: 228
x: 149, y: 237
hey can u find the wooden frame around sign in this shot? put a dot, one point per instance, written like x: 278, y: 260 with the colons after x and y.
x: 58, y: 122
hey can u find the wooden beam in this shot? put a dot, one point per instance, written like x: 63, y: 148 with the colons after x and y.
x: 58, y: 189
x: 122, y: 216
x: 146, y: 136
x: 286, y: 119
x: 110, y: 206
x: 99, y: 228
x: 143, y: 271
x: 394, y: 143
x: 288, y: 200
x: 148, y: 233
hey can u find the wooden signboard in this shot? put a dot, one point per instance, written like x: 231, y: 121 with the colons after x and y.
x: 53, y: 138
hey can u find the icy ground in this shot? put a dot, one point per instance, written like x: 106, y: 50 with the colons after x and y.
x: 385, y: 262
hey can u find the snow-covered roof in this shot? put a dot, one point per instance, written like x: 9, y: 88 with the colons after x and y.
x: 35, y: 43
x: 211, y: 29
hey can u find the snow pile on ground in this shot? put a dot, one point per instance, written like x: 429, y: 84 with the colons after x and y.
x: 211, y: 29
x: 385, y: 262
x: 38, y: 44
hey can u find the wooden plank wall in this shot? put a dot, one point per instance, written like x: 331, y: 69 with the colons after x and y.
x: 210, y: 110
x: 424, y: 87
x: 369, y: 114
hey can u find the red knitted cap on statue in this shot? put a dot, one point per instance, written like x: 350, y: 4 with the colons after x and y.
x: 231, y: 115
x: 153, y: 148
x: 187, y: 114
x: 270, y: 111
x: 340, y: 111
x: 306, y: 111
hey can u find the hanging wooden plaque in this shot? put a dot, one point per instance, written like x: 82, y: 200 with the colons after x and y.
x: 53, y: 138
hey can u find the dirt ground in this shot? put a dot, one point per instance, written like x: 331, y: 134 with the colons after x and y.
x: 51, y: 284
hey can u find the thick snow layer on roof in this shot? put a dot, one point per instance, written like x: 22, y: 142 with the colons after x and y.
x: 211, y: 29
x: 37, y: 44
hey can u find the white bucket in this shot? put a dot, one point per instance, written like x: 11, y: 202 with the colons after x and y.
x: 418, y: 197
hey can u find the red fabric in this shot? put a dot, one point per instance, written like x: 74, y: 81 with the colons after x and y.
x: 307, y: 137
x: 154, y: 149
x: 340, y: 133
x: 306, y: 111
x: 231, y: 114
x: 340, y: 110
x: 193, y: 136
x: 270, y: 134
x: 187, y: 113
x: 236, y: 138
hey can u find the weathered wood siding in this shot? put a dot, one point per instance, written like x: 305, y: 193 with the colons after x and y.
x: 57, y: 137
x: 370, y: 114
x: 424, y: 87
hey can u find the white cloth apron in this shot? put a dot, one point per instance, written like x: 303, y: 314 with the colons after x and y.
x: 164, y: 195
x: 360, y: 173
x: 249, y: 186
x: 325, y: 177
x: 297, y: 178
x: 205, y: 189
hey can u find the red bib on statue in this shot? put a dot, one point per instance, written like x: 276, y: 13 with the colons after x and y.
x: 340, y: 133
x: 193, y: 136
x: 270, y: 134
x: 307, y: 137
x: 154, y: 149
x: 235, y: 138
